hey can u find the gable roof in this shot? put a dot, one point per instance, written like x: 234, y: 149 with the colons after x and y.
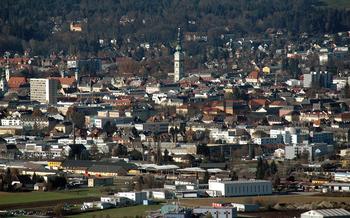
x: 253, y: 75
x: 328, y: 213
x: 17, y: 81
x: 68, y: 81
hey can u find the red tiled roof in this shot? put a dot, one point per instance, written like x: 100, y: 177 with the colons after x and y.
x: 15, y: 60
x: 260, y: 101
x: 65, y: 80
x: 253, y: 75
x: 279, y: 103
x: 16, y: 82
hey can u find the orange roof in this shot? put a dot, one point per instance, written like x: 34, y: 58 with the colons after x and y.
x: 16, y: 81
x: 260, y: 101
x: 65, y: 80
x: 253, y: 75
x: 279, y: 103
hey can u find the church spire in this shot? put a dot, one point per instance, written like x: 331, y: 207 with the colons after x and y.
x: 179, y: 46
x: 178, y: 59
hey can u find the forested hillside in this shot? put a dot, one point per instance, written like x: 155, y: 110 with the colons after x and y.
x: 43, y: 26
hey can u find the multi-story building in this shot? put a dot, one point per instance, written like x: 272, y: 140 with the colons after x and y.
x: 313, y: 150
x: 136, y: 197
x: 318, y: 79
x: 43, y: 90
x: 290, y: 135
x: 240, y: 187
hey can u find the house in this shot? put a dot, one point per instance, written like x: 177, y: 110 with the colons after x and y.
x: 35, y: 122
x: 279, y: 153
x: 65, y: 127
x: 313, y: 150
x: 337, y: 187
x: 66, y: 82
x: 135, y: 197
x: 326, y: 213
x: 40, y: 187
x: 254, y: 77
x: 75, y: 26
x: 113, y: 201
x: 342, y: 177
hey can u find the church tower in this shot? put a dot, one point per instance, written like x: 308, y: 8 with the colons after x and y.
x: 3, y: 84
x: 178, y: 59
x: 7, y: 73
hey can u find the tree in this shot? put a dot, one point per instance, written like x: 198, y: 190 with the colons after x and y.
x: 56, y: 182
x: 273, y: 168
x: 138, y: 183
x: 94, y: 152
x: 166, y: 157
x: 190, y: 135
x: 172, y: 132
x: 346, y: 90
x: 135, y: 155
x: 120, y: 151
x: 52, y: 110
x: 77, y: 118
x: 262, y: 169
x: 109, y: 128
x: 58, y: 210
x: 276, y: 181
x: 209, y: 215
x: 233, y: 176
x: 206, y: 177
x: 37, y: 112
x: 135, y: 133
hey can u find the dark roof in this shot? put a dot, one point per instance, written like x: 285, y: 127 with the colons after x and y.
x: 92, y: 165
x: 108, y: 168
x: 77, y: 163
x: 213, y: 165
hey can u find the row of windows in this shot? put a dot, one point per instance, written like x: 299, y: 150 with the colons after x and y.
x: 244, y: 189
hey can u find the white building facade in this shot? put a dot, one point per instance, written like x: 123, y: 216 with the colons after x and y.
x: 240, y: 187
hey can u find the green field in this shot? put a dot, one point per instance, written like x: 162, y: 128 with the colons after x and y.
x: 26, y: 197
x: 120, y: 212
x: 340, y: 4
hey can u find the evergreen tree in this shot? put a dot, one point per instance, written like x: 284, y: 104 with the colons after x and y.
x: 233, y: 176
x: 346, y: 90
x: 273, y: 168
x: 262, y: 169
x: 206, y: 177
x: 94, y: 152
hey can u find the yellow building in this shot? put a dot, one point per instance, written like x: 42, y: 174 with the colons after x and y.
x: 134, y: 172
x: 54, y: 164
x: 266, y: 70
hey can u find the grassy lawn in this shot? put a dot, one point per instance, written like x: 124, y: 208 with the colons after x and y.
x: 340, y: 4
x: 25, y: 197
x: 263, y: 200
x: 120, y: 212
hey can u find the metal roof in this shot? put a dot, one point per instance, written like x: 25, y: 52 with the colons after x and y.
x: 329, y: 212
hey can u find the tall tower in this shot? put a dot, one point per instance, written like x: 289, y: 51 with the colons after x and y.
x: 7, y: 73
x: 3, y: 84
x: 178, y: 59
